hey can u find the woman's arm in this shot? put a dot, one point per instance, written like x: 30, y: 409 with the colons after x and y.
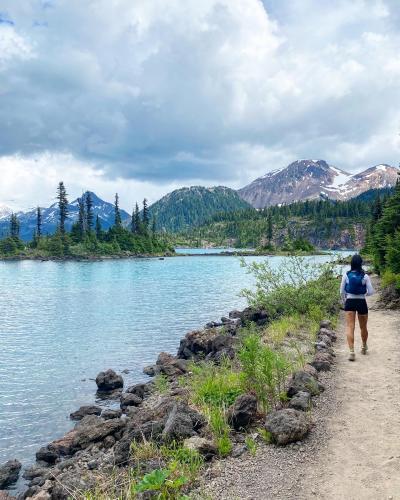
x: 342, y: 287
x: 370, y: 288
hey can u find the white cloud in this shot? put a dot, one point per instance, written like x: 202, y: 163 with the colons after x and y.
x: 162, y: 93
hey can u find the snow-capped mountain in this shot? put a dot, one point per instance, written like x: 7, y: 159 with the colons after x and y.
x: 4, y: 211
x: 312, y: 179
x: 50, y: 216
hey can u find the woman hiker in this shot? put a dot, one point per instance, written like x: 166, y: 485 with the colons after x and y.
x: 355, y: 286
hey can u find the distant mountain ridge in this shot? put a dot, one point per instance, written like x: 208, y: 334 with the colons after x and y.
x: 312, y: 179
x: 50, y: 216
x: 192, y: 206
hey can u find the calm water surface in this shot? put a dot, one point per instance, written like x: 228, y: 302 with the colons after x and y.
x: 63, y: 322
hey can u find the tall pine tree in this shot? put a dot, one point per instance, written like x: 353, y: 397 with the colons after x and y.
x: 14, y: 226
x: 38, y: 223
x: 62, y: 206
x: 117, y: 213
x: 81, y: 218
x: 98, y: 229
x: 89, y: 211
x: 145, y: 215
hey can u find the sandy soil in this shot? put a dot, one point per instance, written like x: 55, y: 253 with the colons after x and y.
x: 353, y: 453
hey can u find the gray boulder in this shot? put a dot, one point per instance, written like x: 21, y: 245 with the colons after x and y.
x: 301, y: 401
x: 203, y: 446
x: 302, y: 381
x: 92, y: 432
x: 109, y: 381
x: 128, y: 399
x: 243, y: 411
x: 326, y: 323
x: 171, y: 366
x: 151, y: 370
x: 85, y: 410
x: 140, y: 390
x: 9, y: 473
x: 287, y: 426
x: 322, y: 361
x: 179, y: 425
x: 109, y: 414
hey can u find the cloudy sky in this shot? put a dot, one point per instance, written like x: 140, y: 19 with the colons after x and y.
x: 143, y: 96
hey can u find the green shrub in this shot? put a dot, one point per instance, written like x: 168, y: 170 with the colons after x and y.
x: 299, y: 287
x: 390, y: 278
x: 214, y: 385
x: 264, y: 370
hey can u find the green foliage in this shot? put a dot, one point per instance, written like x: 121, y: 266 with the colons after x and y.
x: 213, y: 385
x: 189, y: 207
x: 161, y: 383
x: 251, y: 445
x: 265, y: 229
x: 390, y: 278
x: 300, y: 287
x: 11, y: 246
x: 383, y: 240
x: 264, y: 370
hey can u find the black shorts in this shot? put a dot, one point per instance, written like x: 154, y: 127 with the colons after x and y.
x: 356, y: 305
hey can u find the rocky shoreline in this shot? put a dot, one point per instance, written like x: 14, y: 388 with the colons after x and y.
x: 100, y: 442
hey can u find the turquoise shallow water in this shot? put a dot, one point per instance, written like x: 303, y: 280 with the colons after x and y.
x: 63, y: 322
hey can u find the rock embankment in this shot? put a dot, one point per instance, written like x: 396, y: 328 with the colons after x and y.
x: 101, y: 439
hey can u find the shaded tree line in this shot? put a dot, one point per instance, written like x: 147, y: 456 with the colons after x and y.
x: 87, y: 236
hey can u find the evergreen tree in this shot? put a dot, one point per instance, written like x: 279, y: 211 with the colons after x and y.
x: 117, y: 220
x: 14, y: 226
x: 269, y: 229
x: 145, y: 215
x: 136, y: 219
x: 154, y: 225
x: 98, y: 229
x: 81, y: 218
x: 38, y: 223
x: 62, y: 206
x: 89, y: 211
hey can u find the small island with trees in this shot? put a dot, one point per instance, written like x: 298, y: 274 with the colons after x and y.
x: 86, y: 238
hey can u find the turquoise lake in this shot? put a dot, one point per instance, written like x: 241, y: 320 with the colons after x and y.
x: 63, y: 322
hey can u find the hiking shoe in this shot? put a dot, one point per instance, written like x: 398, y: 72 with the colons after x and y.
x: 352, y: 356
x: 364, y: 349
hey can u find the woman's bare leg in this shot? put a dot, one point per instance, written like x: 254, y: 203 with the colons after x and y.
x: 363, y: 320
x: 350, y: 326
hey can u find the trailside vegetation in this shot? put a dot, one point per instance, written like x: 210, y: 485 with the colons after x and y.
x: 86, y: 237
x: 383, y: 241
x: 286, y: 227
x: 264, y: 358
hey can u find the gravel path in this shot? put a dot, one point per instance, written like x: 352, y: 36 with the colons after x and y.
x: 353, y: 452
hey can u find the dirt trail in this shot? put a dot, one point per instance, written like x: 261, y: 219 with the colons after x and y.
x: 362, y: 460
x: 353, y: 452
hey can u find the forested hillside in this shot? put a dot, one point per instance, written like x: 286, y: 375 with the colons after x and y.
x: 324, y: 223
x: 192, y: 206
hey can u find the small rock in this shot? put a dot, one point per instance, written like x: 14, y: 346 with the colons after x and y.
x: 9, y: 473
x: 150, y: 370
x: 326, y: 323
x: 239, y: 450
x: 128, y: 399
x: 301, y: 401
x: 109, y: 414
x: 201, y: 445
x: 109, y: 381
x: 322, y: 361
x: 287, y: 426
x: 302, y: 381
x: 85, y: 410
x: 93, y: 464
x: 243, y: 411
